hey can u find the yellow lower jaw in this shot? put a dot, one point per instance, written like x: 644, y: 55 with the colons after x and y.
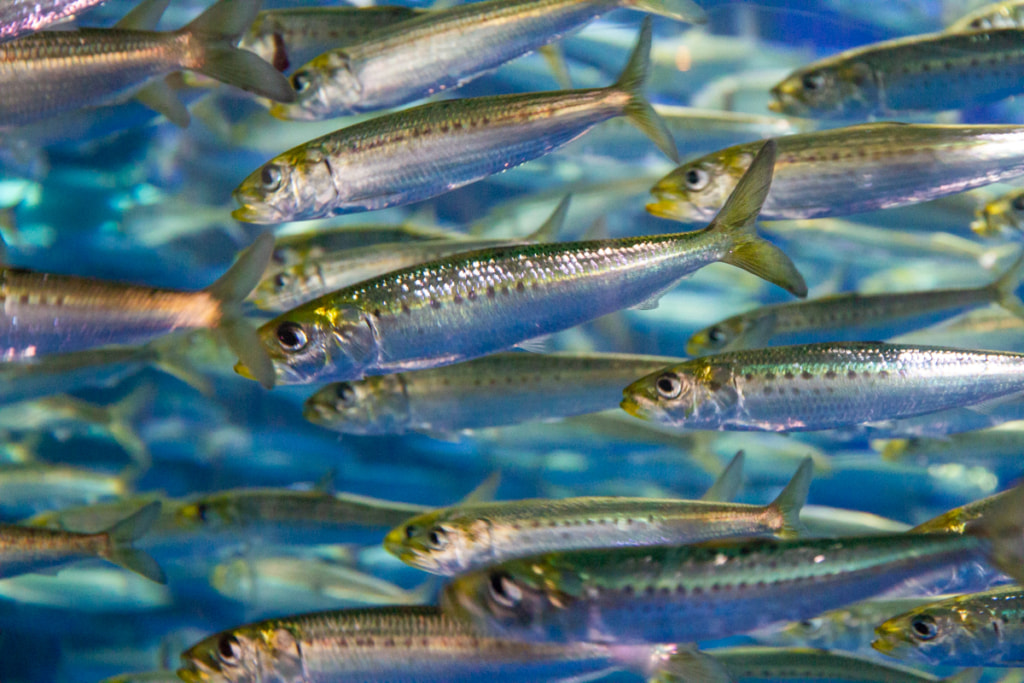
x: 631, y: 407
x: 665, y: 209
x: 243, y: 371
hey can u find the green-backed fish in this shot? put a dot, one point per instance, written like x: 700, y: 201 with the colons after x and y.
x: 445, y: 49
x: 957, y: 520
x: 464, y: 538
x: 907, y: 74
x: 415, y: 154
x: 835, y: 315
x: 293, y: 286
x: 817, y: 174
x: 822, y: 386
x: 996, y: 448
x: 493, y: 391
x: 977, y: 629
x: 26, y: 549
x: 44, y: 313
x: 685, y: 593
x: 388, y: 644
x: 477, y: 303
x: 54, y: 72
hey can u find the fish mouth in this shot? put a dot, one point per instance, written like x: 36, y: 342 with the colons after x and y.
x: 884, y: 645
x: 249, y: 214
x: 190, y: 674
x: 631, y: 406
x: 887, y: 639
x: 666, y: 208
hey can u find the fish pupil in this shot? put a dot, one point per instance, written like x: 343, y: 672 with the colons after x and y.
x: 1018, y: 202
x: 924, y: 627
x: 291, y: 336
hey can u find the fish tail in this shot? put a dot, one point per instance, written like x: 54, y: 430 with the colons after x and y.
x: 680, y: 10
x: 687, y: 663
x: 1003, y: 527
x: 638, y: 110
x: 127, y: 531
x: 792, y: 499
x: 555, y: 58
x: 729, y: 481
x: 171, y: 359
x: 1004, y: 289
x: 231, y: 290
x: 122, y: 416
x: 553, y: 225
x: 144, y: 16
x: 217, y: 30
x: 736, y: 221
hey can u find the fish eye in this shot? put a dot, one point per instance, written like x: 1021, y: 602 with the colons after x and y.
x: 281, y: 281
x: 410, y: 531
x: 924, y: 627
x: 696, y: 179
x: 301, y: 81
x: 813, y: 81
x: 504, y: 589
x: 229, y: 649
x: 1018, y: 202
x: 345, y: 393
x: 270, y: 177
x: 437, y: 538
x: 669, y: 386
x: 716, y: 334
x: 201, y: 511
x: 291, y: 336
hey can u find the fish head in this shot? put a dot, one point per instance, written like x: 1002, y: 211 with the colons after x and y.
x: 250, y: 654
x: 371, y: 406
x: 934, y: 633
x: 697, y: 190
x: 318, y: 343
x: 827, y: 90
x: 324, y: 88
x: 522, y: 599
x: 695, y: 393
x: 296, y: 185
x: 441, y: 542
x: 206, y: 512
x: 722, y: 336
x: 1004, y: 215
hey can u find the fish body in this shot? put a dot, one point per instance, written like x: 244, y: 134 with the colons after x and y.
x: 956, y: 521
x: 466, y: 396
x: 672, y: 593
x: 996, y: 448
x: 28, y: 549
x: 477, y: 303
x: 392, y: 644
x: 822, y: 386
x: 467, y: 537
x: 907, y: 74
x: 289, y: 37
x: 1007, y: 14
x: 838, y: 313
x: 44, y: 313
x: 419, y: 153
x: 819, y: 174
x: 18, y: 17
x: 977, y: 629
x: 444, y: 49
x: 50, y: 73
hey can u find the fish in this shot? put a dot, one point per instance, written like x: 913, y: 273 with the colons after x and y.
x: 26, y: 549
x: 753, y: 663
x: 496, y: 390
x: 406, y: 643
x: 684, y: 593
x: 50, y: 73
x: 464, y: 538
x: 445, y: 49
x: 1007, y: 14
x: 46, y: 313
x: 288, y: 583
x: 911, y: 74
x: 847, y: 628
x: 37, y: 484
x: 1002, y: 215
x: 306, y: 246
x: 821, y: 386
x: 977, y: 629
x: 816, y: 172
x: 836, y: 314
x: 473, y: 304
x: 958, y: 520
x: 101, y: 590
x: 295, y: 285
x: 18, y: 17
x: 418, y: 153
x: 289, y: 37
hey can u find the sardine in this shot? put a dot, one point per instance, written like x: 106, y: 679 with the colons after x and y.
x: 819, y: 174
x: 50, y: 73
x: 419, y: 153
x: 822, y: 386
x: 445, y: 49
x: 474, y: 304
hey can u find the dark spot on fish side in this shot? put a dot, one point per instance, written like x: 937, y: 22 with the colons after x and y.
x: 806, y: 375
x: 788, y: 375
x: 281, y: 61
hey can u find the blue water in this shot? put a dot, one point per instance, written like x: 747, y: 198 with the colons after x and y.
x: 88, y: 197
